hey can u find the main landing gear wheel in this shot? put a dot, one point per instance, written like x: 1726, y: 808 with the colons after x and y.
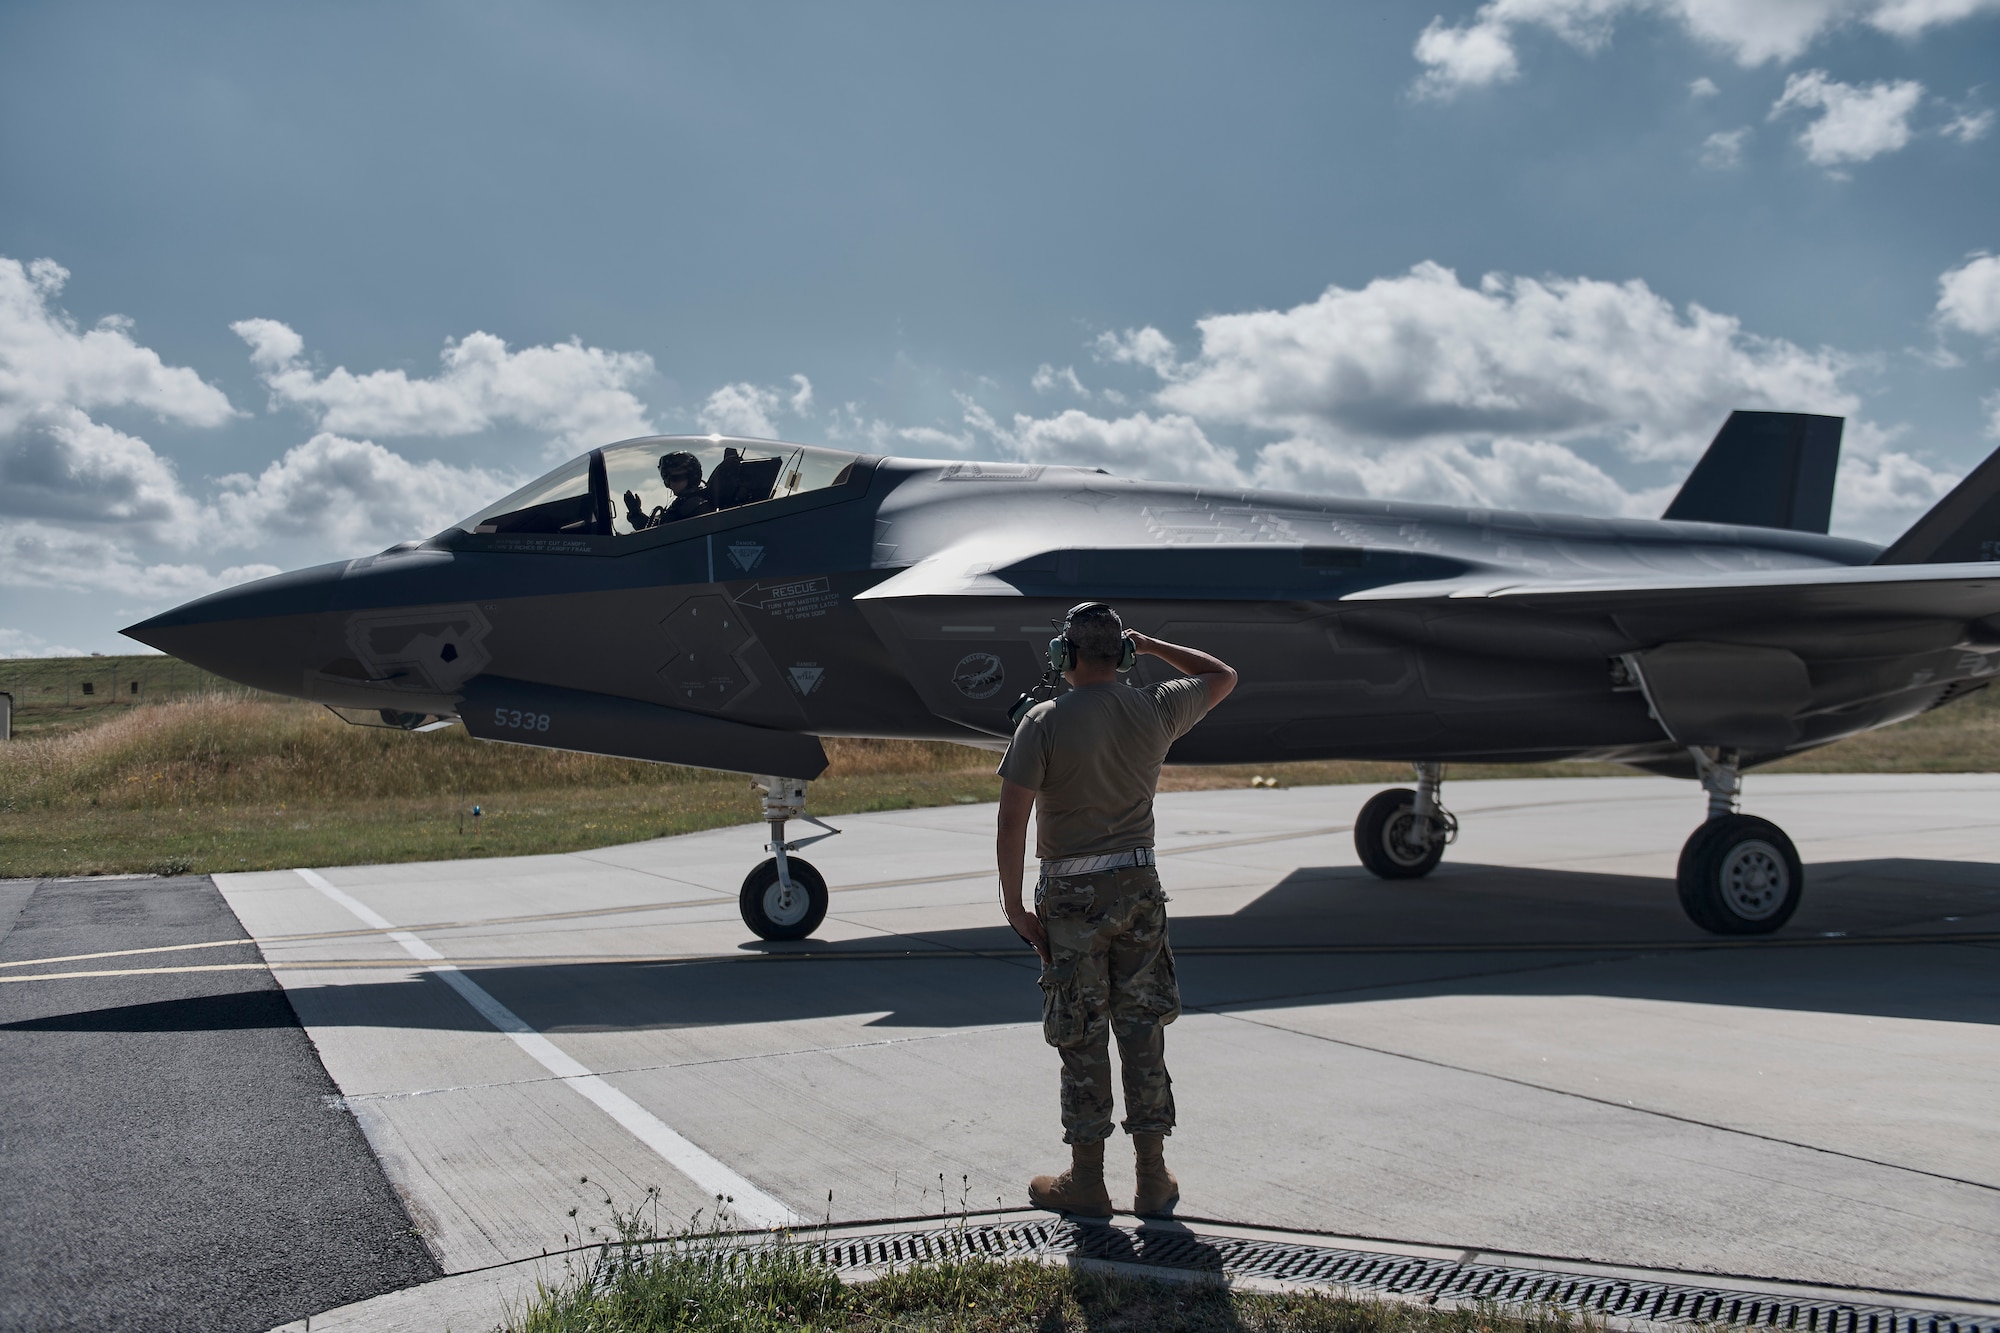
x: 1390, y: 839
x: 774, y: 912
x: 1740, y: 875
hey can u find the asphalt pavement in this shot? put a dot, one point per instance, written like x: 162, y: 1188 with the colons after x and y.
x: 175, y: 1156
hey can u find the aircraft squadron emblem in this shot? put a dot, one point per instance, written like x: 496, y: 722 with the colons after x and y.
x: 979, y: 675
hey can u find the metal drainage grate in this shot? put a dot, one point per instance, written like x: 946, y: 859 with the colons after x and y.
x: 1398, y: 1274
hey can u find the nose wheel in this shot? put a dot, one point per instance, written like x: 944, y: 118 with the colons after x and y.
x: 775, y: 910
x: 784, y: 898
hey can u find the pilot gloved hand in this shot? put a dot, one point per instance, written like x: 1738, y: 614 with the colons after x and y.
x: 635, y: 512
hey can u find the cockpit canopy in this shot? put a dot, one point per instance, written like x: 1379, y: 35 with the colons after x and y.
x: 641, y: 485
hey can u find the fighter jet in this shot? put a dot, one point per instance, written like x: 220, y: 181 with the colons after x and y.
x: 725, y: 603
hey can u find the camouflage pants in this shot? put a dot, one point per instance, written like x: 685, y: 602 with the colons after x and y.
x: 1110, y: 973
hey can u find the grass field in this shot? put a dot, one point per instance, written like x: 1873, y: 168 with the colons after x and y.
x: 200, y: 778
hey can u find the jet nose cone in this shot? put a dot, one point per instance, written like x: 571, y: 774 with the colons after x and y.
x: 254, y: 634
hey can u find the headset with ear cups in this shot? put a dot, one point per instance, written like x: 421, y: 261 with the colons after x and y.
x: 1062, y: 653
x: 1061, y: 658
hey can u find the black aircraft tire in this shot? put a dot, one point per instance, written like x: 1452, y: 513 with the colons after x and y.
x: 1377, y: 841
x: 1740, y: 875
x: 765, y: 910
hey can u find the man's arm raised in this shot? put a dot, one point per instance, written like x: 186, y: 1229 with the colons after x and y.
x: 1218, y: 674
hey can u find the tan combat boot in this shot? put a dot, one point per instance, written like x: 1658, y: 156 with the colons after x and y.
x: 1079, y: 1190
x: 1158, y: 1190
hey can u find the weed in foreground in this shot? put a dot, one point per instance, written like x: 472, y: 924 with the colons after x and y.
x: 701, y: 1278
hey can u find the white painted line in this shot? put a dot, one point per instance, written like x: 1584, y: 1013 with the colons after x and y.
x: 749, y: 1203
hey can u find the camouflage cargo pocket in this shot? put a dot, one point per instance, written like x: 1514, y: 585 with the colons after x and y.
x: 1154, y: 995
x: 1065, y: 1018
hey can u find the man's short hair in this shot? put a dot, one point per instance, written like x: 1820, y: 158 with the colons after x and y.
x: 1097, y: 633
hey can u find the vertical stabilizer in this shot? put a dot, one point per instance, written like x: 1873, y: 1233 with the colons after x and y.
x: 1765, y: 470
x: 1963, y: 526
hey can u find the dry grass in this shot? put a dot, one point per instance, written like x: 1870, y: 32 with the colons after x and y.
x: 222, y: 749
x: 228, y: 781
x: 234, y: 782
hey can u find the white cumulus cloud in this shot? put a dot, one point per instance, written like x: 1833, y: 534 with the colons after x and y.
x: 20, y: 643
x: 42, y: 555
x: 1856, y: 122
x: 57, y: 460
x: 1481, y: 51
x: 1167, y: 448
x: 582, y: 396
x: 1047, y: 379
x: 47, y: 362
x: 348, y: 494
x: 1968, y: 126
x: 752, y: 409
x: 1882, y: 488
x: 1969, y: 297
x: 1723, y: 150
x: 60, y: 464
x: 1511, y: 392
x: 1425, y: 356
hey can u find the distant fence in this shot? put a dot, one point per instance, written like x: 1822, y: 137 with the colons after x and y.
x: 46, y: 689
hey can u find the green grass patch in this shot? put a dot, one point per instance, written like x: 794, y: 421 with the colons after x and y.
x: 702, y: 1285
x: 779, y: 1288
x: 210, y: 779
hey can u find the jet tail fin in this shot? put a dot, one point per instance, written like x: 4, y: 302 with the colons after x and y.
x: 1765, y: 470
x: 1962, y: 527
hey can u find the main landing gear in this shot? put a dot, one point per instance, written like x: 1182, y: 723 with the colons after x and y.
x: 1738, y: 874
x: 784, y: 898
x: 1402, y: 834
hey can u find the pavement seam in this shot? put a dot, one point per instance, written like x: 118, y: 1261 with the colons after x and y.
x: 679, y: 1152
x: 685, y: 1064
x: 1605, y: 1101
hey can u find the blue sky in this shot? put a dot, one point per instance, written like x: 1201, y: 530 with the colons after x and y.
x: 321, y: 278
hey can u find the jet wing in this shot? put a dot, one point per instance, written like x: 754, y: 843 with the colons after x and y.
x: 1968, y: 593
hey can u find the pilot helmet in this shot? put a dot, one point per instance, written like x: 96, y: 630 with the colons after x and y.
x: 680, y: 464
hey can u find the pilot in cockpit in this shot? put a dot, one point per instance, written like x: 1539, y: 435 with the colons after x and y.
x: 682, y: 474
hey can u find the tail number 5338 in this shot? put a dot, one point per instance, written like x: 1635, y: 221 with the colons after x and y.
x: 517, y: 720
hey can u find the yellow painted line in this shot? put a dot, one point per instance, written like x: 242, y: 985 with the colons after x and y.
x: 1022, y: 954
x: 583, y: 914
x: 125, y: 953
x: 136, y: 972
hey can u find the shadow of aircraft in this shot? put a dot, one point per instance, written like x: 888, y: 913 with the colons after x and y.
x: 1320, y: 935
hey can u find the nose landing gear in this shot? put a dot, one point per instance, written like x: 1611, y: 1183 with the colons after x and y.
x: 1738, y: 874
x: 1402, y: 834
x: 784, y: 898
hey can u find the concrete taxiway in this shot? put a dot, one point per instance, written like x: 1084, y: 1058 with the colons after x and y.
x: 1529, y: 1053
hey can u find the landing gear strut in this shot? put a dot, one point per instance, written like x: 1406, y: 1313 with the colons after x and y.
x: 1402, y: 834
x: 784, y: 898
x: 1738, y: 875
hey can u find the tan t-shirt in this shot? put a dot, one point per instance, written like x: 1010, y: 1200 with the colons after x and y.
x: 1094, y: 756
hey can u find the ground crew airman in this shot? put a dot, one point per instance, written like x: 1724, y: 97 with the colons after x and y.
x: 1090, y: 760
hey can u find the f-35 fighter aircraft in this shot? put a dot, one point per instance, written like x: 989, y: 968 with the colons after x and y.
x: 748, y: 597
